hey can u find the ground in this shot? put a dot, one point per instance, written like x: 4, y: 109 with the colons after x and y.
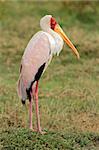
x: 69, y: 89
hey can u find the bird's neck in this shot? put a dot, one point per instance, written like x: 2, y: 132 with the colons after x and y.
x: 57, y: 40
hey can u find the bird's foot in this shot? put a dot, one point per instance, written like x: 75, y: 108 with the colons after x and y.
x: 41, y: 132
x: 38, y: 130
x: 34, y: 130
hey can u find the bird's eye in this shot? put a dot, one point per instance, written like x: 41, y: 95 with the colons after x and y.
x: 53, y: 23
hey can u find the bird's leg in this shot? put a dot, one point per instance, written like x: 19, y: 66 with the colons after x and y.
x: 33, y: 92
x: 30, y: 112
x: 37, y: 108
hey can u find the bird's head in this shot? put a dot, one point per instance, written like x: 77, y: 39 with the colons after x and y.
x: 49, y: 22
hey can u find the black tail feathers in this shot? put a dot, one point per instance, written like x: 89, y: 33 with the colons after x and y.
x: 23, y: 102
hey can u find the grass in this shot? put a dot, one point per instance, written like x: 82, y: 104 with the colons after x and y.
x: 69, y: 95
x: 25, y: 139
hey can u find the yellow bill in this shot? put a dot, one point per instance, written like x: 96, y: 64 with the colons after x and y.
x: 59, y: 30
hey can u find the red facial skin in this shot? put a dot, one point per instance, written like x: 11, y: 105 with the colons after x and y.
x: 53, y: 23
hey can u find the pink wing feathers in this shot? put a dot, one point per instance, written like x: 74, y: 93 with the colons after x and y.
x: 37, y: 53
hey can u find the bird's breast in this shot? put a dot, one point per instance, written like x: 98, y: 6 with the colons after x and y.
x: 58, y: 45
x: 56, y: 42
x: 51, y: 42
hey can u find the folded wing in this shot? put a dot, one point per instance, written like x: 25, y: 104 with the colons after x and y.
x: 35, y: 59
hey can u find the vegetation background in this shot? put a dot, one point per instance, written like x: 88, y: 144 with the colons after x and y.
x: 69, y: 89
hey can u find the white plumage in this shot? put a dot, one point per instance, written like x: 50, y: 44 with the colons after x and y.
x: 40, y: 49
x: 37, y: 55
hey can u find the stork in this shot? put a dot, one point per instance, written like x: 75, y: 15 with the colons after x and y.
x: 36, y: 58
